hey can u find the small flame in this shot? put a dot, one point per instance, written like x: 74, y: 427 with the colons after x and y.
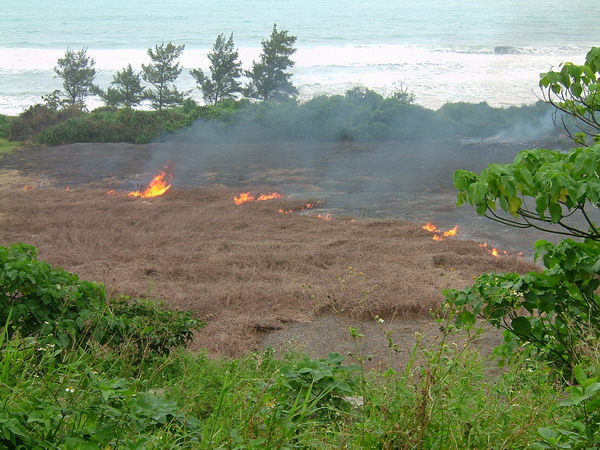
x: 111, y: 192
x: 310, y: 205
x: 271, y: 196
x: 28, y: 188
x: 159, y: 185
x: 452, y: 232
x: 326, y: 217
x: 430, y: 227
x: 440, y: 235
x: 246, y: 197
x: 67, y: 189
x: 497, y: 253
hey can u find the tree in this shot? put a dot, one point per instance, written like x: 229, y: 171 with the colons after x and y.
x: 163, y: 71
x: 125, y: 89
x: 575, y: 91
x: 556, y: 310
x: 268, y: 77
x: 225, y: 71
x: 77, y: 72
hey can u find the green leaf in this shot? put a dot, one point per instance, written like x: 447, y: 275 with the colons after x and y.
x: 580, y: 375
x: 555, y: 212
x: 521, y: 325
x: 547, y: 433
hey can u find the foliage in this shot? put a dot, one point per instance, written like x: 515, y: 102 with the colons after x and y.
x: 269, y: 79
x: 321, y: 384
x: 77, y: 72
x: 575, y: 91
x: 162, y: 73
x: 561, y: 302
x: 111, y: 125
x: 581, y: 428
x: 125, y: 89
x: 57, y: 307
x: 555, y: 311
x: 73, y: 405
x: 37, y: 118
x: 560, y: 184
x: 39, y: 300
x: 225, y: 71
x: 5, y: 122
x: 148, y: 326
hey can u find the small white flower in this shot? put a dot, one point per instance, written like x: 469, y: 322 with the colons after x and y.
x: 70, y: 389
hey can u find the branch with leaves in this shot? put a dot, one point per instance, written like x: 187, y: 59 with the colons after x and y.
x: 543, y: 189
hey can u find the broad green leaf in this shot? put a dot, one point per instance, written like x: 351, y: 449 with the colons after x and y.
x: 521, y: 325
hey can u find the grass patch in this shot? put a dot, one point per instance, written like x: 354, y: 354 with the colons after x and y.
x: 7, y: 146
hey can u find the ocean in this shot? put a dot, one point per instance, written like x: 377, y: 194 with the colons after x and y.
x: 440, y: 50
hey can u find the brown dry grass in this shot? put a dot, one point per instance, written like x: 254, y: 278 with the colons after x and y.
x: 244, y: 269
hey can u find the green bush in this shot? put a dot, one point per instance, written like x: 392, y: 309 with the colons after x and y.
x: 39, y: 300
x: 5, y: 123
x: 149, y: 327
x: 57, y: 307
x: 38, y: 117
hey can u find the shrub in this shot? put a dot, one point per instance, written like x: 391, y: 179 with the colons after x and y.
x: 39, y: 300
x: 57, y: 307
x: 36, y: 118
x: 149, y: 327
x: 5, y: 123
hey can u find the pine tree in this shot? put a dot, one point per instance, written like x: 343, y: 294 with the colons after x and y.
x: 125, y: 89
x: 225, y: 71
x: 268, y: 77
x: 161, y: 74
x: 77, y: 72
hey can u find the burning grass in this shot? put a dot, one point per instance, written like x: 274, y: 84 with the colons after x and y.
x: 243, y: 269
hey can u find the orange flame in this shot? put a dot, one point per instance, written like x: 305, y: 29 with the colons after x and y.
x: 270, y: 196
x: 451, y: 232
x: 243, y: 198
x: 440, y: 235
x: 310, y: 205
x: 430, y: 227
x: 67, y: 189
x: 28, y: 188
x: 159, y: 185
x: 497, y: 253
x: 326, y: 217
x: 246, y: 197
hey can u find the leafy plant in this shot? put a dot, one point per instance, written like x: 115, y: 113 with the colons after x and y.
x: 317, y: 386
x: 40, y: 300
x: 269, y: 78
x: 149, y: 326
x: 162, y: 73
x: 77, y: 72
x: 225, y: 71
x: 574, y: 90
x: 581, y: 428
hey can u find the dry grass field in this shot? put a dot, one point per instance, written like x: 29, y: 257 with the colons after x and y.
x: 247, y: 270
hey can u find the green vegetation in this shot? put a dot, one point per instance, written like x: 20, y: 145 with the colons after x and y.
x: 77, y: 72
x: 125, y: 89
x: 555, y: 312
x: 575, y: 91
x: 161, y: 74
x: 359, y: 115
x: 269, y: 79
x: 225, y: 72
x: 63, y: 387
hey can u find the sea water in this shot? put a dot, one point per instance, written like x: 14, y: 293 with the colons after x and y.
x: 440, y: 50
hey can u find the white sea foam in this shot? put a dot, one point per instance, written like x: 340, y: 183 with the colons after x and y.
x: 434, y: 75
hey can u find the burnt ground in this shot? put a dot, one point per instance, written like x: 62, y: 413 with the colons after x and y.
x: 256, y: 276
